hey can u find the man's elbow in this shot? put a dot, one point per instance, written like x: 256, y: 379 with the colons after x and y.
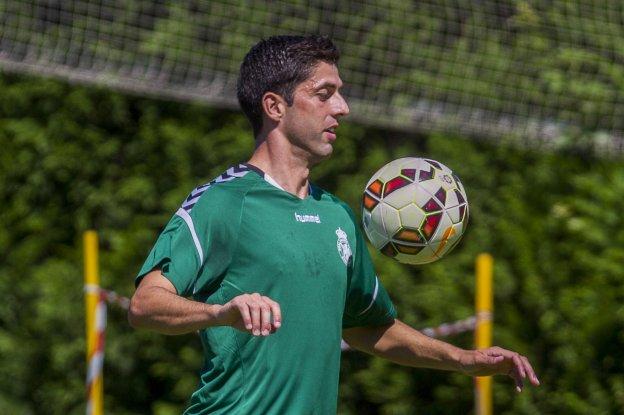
x: 137, y: 313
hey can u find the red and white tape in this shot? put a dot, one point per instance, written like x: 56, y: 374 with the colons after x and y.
x: 111, y: 297
x: 96, y: 358
x: 449, y: 329
x: 443, y: 330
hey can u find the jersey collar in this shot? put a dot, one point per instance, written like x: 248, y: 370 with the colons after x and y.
x: 271, y: 180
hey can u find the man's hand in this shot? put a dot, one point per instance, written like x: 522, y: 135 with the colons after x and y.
x: 253, y: 313
x: 156, y: 305
x: 498, y: 361
x: 405, y: 345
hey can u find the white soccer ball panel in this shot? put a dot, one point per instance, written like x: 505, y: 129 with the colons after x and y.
x: 391, y: 219
x: 412, y: 216
x: 430, y: 186
x: 375, y: 222
x: 454, y: 214
x: 402, y: 197
x: 374, y: 228
x: 451, y: 198
x: 377, y: 239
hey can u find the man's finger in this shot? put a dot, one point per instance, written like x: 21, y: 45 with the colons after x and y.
x: 496, y: 359
x: 519, y: 384
x: 495, y: 351
x: 276, y: 311
x: 513, y: 373
x: 519, y: 364
x: 246, y: 316
x: 265, y: 314
x: 530, y: 372
x: 255, y: 318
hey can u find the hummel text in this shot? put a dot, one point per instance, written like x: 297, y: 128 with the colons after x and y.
x: 307, y: 218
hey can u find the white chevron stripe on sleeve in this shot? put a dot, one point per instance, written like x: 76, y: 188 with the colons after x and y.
x: 374, y: 296
x: 189, y: 222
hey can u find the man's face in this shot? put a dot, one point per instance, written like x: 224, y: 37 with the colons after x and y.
x: 310, y: 122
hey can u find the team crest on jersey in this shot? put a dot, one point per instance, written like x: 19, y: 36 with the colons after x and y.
x: 344, y: 250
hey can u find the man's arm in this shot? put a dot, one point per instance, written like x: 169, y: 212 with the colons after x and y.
x: 402, y: 344
x: 156, y: 305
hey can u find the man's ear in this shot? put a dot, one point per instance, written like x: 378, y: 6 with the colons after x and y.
x: 273, y: 105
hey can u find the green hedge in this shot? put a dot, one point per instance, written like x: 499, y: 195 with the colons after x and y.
x: 74, y: 158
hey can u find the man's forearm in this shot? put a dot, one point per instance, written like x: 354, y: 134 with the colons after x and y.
x: 156, y: 305
x: 404, y: 345
x: 161, y: 310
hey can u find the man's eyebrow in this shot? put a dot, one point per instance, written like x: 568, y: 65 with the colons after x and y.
x: 327, y: 84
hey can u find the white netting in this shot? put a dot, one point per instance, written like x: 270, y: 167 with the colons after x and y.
x: 529, y: 69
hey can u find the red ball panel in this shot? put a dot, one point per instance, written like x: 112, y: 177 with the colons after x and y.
x: 409, y: 173
x: 389, y: 250
x: 395, y: 184
x: 432, y: 206
x: 431, y: 224
x: 369, y: 202
x: 408, y: 235
x: 425, y: 175
x: 410, y: 250
x: 375, y: 188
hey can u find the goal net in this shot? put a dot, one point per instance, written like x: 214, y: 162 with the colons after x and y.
x: 527, y: 69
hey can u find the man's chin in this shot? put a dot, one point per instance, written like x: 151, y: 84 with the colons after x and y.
x: 319, y: 156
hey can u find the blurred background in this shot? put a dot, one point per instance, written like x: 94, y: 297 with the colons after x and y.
x: 112, y: 111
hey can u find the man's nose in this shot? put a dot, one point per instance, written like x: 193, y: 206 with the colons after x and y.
x: 342, y: 108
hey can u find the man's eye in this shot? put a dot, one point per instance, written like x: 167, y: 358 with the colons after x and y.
x: 324, y: 95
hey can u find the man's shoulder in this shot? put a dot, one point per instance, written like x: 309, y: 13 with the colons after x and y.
x: 322, y: 194
x: 224, y: 191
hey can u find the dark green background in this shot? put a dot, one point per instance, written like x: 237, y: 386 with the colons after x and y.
x: 74, y: 158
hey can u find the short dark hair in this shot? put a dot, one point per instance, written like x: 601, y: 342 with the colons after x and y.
x: 278, y: 64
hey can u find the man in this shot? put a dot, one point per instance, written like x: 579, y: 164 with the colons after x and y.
x: 276, y: 268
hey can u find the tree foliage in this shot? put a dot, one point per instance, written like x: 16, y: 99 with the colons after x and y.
x: 524, y: 67
x: 75, y: 158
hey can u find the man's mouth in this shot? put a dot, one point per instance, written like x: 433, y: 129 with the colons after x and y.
x: 331, y: 132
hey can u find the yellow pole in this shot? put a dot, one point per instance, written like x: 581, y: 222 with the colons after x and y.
x: 483, y: 329
x: 92, y: 284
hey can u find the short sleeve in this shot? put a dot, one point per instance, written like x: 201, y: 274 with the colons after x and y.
x: 367, y: 302
x: 196, y: 246
x: 175, y: 254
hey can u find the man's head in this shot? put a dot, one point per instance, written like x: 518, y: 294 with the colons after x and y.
x: 279, y: 64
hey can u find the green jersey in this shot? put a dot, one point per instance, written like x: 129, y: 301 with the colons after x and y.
x: 242, y: 233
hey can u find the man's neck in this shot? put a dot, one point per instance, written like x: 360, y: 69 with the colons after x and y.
x: 284, y: 164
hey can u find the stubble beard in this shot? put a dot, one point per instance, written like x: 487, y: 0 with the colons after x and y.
x: 312, y: 149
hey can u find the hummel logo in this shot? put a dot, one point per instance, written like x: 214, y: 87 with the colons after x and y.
x: 307, y: 218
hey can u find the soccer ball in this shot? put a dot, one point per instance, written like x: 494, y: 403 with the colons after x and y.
x: 414, y: 210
